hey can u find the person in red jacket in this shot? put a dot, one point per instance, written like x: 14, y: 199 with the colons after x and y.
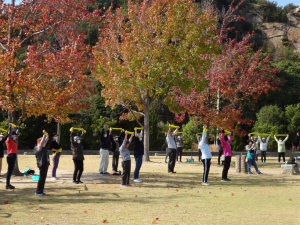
x: 11, y: 155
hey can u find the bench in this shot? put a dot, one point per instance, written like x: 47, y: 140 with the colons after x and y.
x: 290, y: 169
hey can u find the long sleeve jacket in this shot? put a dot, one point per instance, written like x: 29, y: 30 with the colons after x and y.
x: 104, y: 140
x: 115, y: 144
x: 124, y: 152
x: 263, y: 145
x: 226, y: 145
x: 179, y: 142
x: 281, y: 144
x: 77, y: 149
x: 41, y: 153
x: 206, y: 154
x: 138, y: 145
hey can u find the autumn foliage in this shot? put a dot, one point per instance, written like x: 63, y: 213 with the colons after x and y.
x: 236, y: 76
x: 140, y: 57
x: 43, y: 58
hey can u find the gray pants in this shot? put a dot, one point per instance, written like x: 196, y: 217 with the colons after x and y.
x: 104, y: 155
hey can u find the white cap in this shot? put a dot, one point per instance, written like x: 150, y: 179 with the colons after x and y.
x: 76, y: 138
x: 179, y: 137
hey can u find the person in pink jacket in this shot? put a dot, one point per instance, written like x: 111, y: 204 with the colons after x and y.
x: 226, y: 144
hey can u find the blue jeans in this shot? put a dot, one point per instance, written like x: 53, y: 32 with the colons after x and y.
x: 138, y: 164
x: 252, y: 162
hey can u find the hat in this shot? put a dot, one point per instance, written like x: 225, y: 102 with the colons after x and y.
x: 249, y: 141
x: 179, y: 137
x: 1, y: 136
x: 76, y: 138
x: 263, y: 139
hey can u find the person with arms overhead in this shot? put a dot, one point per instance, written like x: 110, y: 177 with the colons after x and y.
x: 172, y: 147
x: 126, y: 161
x: 77, y: 152
x: 251, y: 149
x: 281, y: 147
x: 43, y: 162
x: 115, y: 145
x: 179, y: 146
x: 263, y: 148
x: 11, y: 146
x: 55, y: 148
x: 206, y: 156
x: 104, y: 153
x: 138, y: 149
x: 227, y: 152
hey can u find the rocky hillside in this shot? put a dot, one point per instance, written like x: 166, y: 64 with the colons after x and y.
x: 275, y: 34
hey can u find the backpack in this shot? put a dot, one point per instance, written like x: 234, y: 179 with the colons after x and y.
x: 291, y: 160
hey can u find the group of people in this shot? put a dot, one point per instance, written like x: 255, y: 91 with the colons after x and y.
x: 108, y: 141
x: 111, y: 142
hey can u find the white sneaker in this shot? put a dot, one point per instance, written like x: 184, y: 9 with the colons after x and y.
x: 136, y: 180
x: 140, y: 180
x: 53, y: 178
x: 205, y: 184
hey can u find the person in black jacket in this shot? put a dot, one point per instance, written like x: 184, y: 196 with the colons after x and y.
x: 104, y: 153
x: 138, y: 148
x: 55, y: 148
x: 2, y: 141
x: 77, y: 152
x: 43, y: 162
x: 115, y: 145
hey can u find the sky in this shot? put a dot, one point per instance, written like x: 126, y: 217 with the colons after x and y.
x: 280, y: 2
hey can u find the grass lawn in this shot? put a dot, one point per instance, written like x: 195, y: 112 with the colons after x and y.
x: 161, y: 198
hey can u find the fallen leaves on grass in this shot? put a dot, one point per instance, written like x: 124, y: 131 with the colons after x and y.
x: 176, y: 205
x: 104, y: 221
x: 153, y: 221
x: 232, y: 194
x: 290, y: 199
x: 85, y: 212
x: 6, y: 202
x: 135, y: 196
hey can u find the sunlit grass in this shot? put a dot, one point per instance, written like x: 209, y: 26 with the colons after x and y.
x: 179, y: 198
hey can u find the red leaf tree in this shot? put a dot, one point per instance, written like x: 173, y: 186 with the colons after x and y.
x: 236, y: 75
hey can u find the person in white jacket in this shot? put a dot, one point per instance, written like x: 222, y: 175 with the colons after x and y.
x: 206, y: 156
x: 263, y: 148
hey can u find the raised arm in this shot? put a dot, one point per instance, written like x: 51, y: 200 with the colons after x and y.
x: 275, y: 138
x: 72, y: 136
x: 287, y: 137
x: 124, y: 142
x: 268, y: 139
x: 260, y: 141
x: 44, y: 140
x: 9, y: 132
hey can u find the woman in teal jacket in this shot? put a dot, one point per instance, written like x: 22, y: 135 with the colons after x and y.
x: 281, y: 147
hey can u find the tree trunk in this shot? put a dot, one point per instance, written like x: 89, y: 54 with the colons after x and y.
x: 58, y: 132
x: 146, y: 157
x: 12, y: 119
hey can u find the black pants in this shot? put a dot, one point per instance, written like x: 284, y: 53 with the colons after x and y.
x: 42, y: 179
x: 167, y: 154
x: 199, y: 154
x: 179, y: 153
x: 11, y: 160
x: 226, y: 167
x: 126, y: 172
x: 78, y: 169
x: 279, y: 156
x: 206, y: 166
x: 172, y: 158
x: 263, y: 156
x: 219, y: 157
x: 115, y: 161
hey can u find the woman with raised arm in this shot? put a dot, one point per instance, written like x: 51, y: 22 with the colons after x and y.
x: 77, y: 152
x: 281, y: 147
x: 251, y: 149
x: 206, y: 156
x: 226, y: 145
x: 43, y: 162
x: 11, y: 154
x: 172, y: 147
x: 115, y: 145
x: 126, y: 160
x: 55, y: 148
